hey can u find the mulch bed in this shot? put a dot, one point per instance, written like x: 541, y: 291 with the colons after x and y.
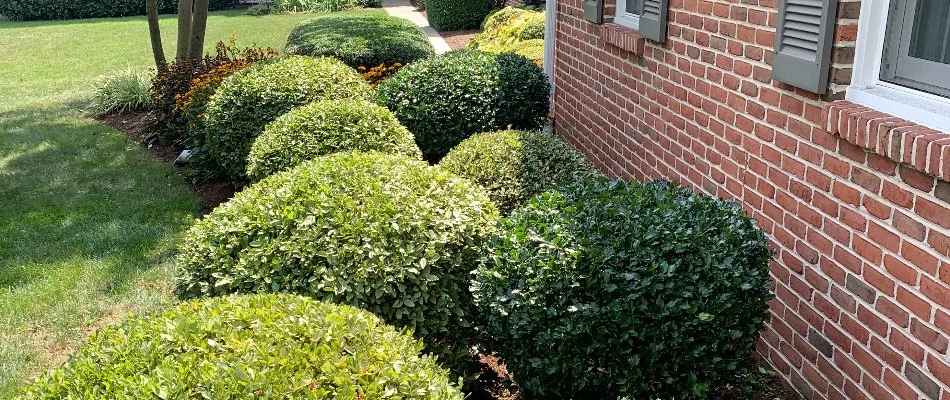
x: 459, y: 39
x: 494, y: 383
x: 210, y: 192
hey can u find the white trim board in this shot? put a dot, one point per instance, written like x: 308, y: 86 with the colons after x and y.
x: 867, y: 88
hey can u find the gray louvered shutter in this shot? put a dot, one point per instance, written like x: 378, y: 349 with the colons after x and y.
x: 653, y: 19
x: 594, y: 11
x: 803, y: 43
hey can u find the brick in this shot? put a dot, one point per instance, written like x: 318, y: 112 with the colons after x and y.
x: 931, y: 337
x: 866, y: 179
x: 903, y: 344
x: 936, y: 213
x: 917, y: 179
x: 843, y: 299
x: 900, y: 270
x: 943, y: 190
x: 893, y: 312
x: 909, y: 226
x: 872, y: 321
x: 867, y: 361
x: 923, y: 382
x: 881, y: 282
x: 885, y: 352
x: 936, y: 292
x: 821, y: 344
x: 861, y: 289
x: 899, y: 386
x: 939, y: 368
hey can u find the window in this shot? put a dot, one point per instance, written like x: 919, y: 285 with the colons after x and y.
x: 628, y: 13
x: 917, y: 45
x: 902, y: 60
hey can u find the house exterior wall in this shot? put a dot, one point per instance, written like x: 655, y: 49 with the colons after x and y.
x: 856, y: 203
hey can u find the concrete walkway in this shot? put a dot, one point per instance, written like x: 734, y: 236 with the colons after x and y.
x: 402, y: 9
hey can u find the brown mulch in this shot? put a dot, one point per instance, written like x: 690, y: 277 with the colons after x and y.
x: 210, y: 192
x: 459, y: 39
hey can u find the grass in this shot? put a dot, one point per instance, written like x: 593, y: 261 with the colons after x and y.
x: 88, y: 219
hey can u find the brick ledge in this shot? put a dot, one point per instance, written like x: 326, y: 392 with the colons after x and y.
x: 924, y: 149
x: 623, y: 37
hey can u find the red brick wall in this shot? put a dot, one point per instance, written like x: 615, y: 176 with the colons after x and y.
x: 850, y: 198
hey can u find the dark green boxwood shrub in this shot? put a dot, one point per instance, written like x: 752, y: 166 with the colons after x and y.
x: 253, y: 97
x: 360, y: 39
x: 250, y: 347
x: 449, y: 97
x: 32, y: 10
x: 382, y: 232
x: 453, y: 15
x: 609, y: 289
x: 514, y: 166
x: 326, y: 127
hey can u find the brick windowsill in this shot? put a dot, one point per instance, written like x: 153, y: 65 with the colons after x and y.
x: 623, y: 37
x: 924, y: 149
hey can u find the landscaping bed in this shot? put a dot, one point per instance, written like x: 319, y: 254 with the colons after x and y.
x: 408, y: 228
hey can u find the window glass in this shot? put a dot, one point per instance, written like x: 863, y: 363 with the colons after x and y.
x: 930, y: 38
x: 917, y: 46
x: 634, y: 7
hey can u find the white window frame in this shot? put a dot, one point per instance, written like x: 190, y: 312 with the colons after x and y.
x: 869, y: 90
x: 624, y: 18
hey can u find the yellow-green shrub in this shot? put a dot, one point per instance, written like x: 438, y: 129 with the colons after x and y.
x: 326, y: 127
x: 250, y: 347
x: 382, y: 232
x: 513, y: 166
x: 253, y: 97
x: 507, y: 27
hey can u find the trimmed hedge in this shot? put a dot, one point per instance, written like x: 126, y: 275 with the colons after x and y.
x: 34, y: 10
x: 453, y: 15
x: 378, y: 231
x: 514, y: 166
x: 253, y: 97
x: 326, y: 127
x: 531, y: 49
x: 250, y: 347
x: 515, y: 30
x: 360, y: 39
x: 508, y: 26
x: 449, y: 97
x: 608, y: 289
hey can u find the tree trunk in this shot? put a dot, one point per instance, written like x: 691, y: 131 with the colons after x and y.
x: 155, y: 33
x: 184, y: 29
x: 198, y: 25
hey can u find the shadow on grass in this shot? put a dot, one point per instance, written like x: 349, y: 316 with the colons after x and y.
x: 71, y: 187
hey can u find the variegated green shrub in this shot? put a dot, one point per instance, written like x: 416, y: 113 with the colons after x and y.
x: 382, y: 232
x: 250, y: 347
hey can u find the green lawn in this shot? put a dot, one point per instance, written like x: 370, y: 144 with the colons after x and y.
x: 88, y: 219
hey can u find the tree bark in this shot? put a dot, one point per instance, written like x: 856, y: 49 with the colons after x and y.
x: 184, y: 29
x: 155, y: 33
x: 198, y: 25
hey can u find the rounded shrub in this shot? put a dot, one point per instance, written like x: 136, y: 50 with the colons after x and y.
x: 382, y: 232
x: 253, y: 97
x: 453, y: 15
x: 361, y: 39
x: 513, y: 166
x: 326, y: 127
x: 250, y: 347
x: 608, y: 289
x: 449, y: 97
x: 531, y: 49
